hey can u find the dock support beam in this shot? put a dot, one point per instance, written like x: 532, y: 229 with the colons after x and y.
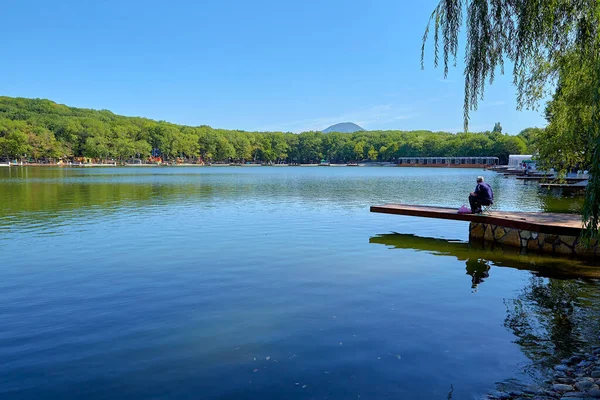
x: 534, y: 241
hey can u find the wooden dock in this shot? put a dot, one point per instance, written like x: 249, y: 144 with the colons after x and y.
x: 522, y: 173
x: 549, y: 223
x: 574, y: 187
x: 535, y: 178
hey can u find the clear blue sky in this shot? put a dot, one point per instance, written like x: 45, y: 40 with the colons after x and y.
x: 252, y: 65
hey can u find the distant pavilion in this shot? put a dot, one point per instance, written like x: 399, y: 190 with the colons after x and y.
x: 448, y: 161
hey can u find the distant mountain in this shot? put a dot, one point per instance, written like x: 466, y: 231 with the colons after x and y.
x: 344, y: 127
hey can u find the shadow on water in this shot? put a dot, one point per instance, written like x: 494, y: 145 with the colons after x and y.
x: 555, y: 314
x: 480, y: 256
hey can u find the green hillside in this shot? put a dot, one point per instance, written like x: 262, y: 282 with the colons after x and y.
x: 39, y: 129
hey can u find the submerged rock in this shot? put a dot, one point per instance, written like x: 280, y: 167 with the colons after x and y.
x: 570, y: 395
x: 561, y: 388
x: 585, y: 379
x: 577, y: 377
x: 499, y: 395
x: 584, y: 386
x: 584, y: 364
x: 568, y: 381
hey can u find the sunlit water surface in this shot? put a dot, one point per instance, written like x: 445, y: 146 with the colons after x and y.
x: 259, y: 283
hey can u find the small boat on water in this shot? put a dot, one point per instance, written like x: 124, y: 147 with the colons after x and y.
x: 350, y: 164
x: 324, y: 163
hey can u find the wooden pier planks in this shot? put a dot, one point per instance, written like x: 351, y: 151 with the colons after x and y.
x: 551, y: 223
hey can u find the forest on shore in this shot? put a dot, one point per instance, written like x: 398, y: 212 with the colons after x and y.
x: 42, y: 130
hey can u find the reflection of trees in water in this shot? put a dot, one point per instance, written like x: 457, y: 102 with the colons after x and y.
x: 56, y: 202
x: 553, y: 318
x: 554, y: 315
x: 556, y: 201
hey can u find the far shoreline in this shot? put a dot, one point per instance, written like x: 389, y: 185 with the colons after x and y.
x: 116, y: 165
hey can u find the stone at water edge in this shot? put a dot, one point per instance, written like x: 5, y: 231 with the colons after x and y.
x: 596, y: 374
x: 531, y: 390
x: 584, y: 364
x: 496, y: 394
x: 550, y: 393
x: 568, y: 381
x: 572, y: 395
x: 574, y: 398
x: 561, y: 367
x: 584, y: 386
x: 585, y: 378
x: 560, y: 387
x: 595, y: 393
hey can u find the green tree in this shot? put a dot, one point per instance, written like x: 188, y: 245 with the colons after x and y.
x: 543, y: 40
x: 241, y: 145
x: 279, y: 145
x: 224, y: 150
x: 43, y: 144
x: 529, y: 136
x: 507, y: 145
x: 207, y: 141
x: 359, y: 151
x: 97, y: 147
x: 186, y: 144
x: 372, y: 154
x: 309, y: 144
x: 13, y: 139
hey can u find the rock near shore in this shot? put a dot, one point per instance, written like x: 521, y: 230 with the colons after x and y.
x: 577, y: 377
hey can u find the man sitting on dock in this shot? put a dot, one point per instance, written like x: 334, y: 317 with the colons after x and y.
x: 482, y: 196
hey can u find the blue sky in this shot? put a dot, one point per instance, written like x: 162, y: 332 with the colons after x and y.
x: 252, y: 65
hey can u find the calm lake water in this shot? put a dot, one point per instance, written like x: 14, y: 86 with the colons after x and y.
x: 260, y: 283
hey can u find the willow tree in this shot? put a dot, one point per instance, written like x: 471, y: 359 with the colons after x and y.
x: 552, y: 45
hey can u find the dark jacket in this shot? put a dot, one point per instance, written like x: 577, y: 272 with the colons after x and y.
x: 484, y: 192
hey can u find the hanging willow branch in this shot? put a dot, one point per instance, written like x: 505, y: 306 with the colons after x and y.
x: 591, y: 209
x: 535, y: 36
x: 531, y: 34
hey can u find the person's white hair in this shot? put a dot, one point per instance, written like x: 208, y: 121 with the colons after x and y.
x: 480, y: 179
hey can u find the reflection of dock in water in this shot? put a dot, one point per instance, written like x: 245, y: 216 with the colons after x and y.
x: 478, y: 257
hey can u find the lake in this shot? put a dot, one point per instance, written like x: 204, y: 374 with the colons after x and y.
x: 272, y: 282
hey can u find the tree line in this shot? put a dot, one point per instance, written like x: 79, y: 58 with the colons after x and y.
x: 37, y: 129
